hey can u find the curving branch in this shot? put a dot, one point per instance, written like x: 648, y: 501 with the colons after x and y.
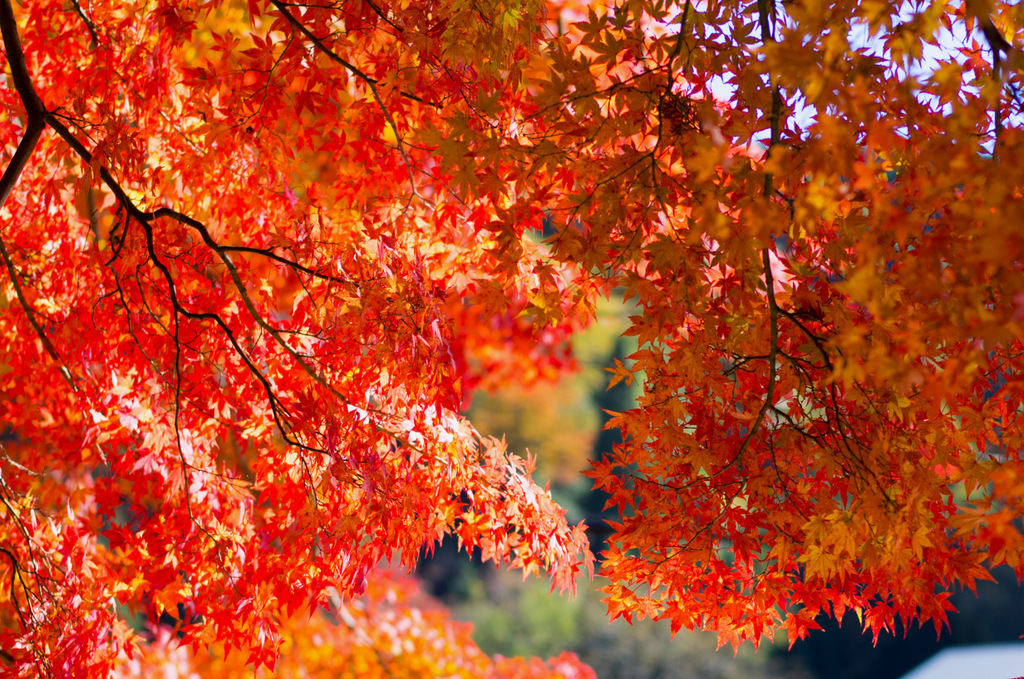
x: 19, y: 74
x: 16, y: 575
x: 94, y: 39
x: 34, y: 124
x: 145, y: 219
x: 680, y: 42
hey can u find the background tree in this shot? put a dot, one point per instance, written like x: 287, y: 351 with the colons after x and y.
x: 257, y: 254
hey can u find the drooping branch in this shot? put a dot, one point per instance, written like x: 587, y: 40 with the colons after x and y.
x: 145, y: 218
x: 16, y: 575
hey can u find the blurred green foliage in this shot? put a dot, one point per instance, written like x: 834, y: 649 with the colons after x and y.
x: 512, y: 617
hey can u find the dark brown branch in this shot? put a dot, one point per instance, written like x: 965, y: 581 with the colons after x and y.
x: 999, y: 46
x: 144, y: 218
x: 16, y: 573
x: 995, y: 39
x: 94, y: 39
x: 767, y: 20
x: 766, y: 15
x: 383, y: 16
x: 34, y: 124
x: 138, y: 215
x: 815, y: 340
x: 773, y: 353
x: 269, y: 254
x: 16, y: 60
x: 33, y: 129
x: 680, y: 41
x: 34, y: 109
x: 217, y: 247
x: 12, y: 273
x: 79, y: 148
x: 39, y: 117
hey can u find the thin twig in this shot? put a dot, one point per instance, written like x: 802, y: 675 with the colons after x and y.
x: 767, y: 34
x: 94, y: 39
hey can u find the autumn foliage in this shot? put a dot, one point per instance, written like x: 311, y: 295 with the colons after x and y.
x: 258, y: 255
x: 386, y: 633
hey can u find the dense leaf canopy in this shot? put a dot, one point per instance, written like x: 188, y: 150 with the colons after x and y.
x: 257, y: 255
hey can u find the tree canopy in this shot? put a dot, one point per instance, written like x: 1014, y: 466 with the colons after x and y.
x: 257, y: 256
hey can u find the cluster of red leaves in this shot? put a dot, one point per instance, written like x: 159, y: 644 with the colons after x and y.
x: 391, y: 632
x: 240, y: 314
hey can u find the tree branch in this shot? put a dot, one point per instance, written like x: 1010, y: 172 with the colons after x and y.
x: 16, y: 60
x: 767, y: 34
x: 34, y: 125
x: 38, y: 118
x: 16, y: 574
x: 145, y: 219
